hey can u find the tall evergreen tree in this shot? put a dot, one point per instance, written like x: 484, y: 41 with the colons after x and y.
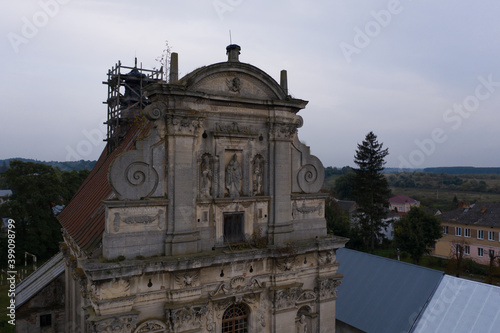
x: 371, y: 189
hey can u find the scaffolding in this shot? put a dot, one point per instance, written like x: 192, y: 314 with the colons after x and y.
x: 126, y: 98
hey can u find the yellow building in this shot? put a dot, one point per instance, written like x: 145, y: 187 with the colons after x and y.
x: 475, y: 229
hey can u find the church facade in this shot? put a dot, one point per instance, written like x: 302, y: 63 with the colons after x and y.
x: 207, y: 217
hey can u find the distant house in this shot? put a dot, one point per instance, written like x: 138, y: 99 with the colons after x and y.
x: 348, y: 207
x: 402, y: 204
x: 4, y: 195
x: 474, y: 227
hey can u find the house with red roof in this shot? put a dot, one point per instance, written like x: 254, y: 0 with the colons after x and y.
x: 402, y: 204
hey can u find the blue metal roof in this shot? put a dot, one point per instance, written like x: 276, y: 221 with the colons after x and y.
x: 461, y: 305
x: 382, y: 295
x: 39, y: 279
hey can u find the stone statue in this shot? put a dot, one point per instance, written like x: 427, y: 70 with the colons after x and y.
x: 257, y: 176
x: 206, y: 176
x: 302, y: 325
x: 233, y: 177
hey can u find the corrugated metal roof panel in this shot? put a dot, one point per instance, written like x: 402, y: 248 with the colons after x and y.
x: 460, y: 305
x: 382, y: 295
x: 39, y: 279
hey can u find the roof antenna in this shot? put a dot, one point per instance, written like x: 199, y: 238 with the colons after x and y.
x: 230, y: 39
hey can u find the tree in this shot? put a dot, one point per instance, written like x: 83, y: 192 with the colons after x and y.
x: 370, y: 190
x: 343, y: 186
x: 337, y: 222
x: 415, y: 232
x: 457, y: 250
x: 36, y: 188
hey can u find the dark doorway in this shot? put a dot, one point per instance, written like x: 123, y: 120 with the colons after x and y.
x: 234, y: 227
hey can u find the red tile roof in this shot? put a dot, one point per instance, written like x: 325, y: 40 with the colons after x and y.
x: 401, y: 199
x: 83, y: 218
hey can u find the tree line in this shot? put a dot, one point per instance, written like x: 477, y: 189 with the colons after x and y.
x: 37, y: 190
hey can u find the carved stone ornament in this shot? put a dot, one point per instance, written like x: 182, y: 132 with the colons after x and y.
x: 290, y: 297
x: 285, y: 298
x: 234, y: 85
x: 122, y: 324
x: 183, y: 125
x: 154, y: 111
x: 327, y: 257
x: 327, y: 288
x: 282, y: 131
x: 234, y: 128
x: 187, y: 280
x: 237, y: 284
x: 154, y: 326
x: 187, y: 318
x: 286, y: 264
x: 311, y: 173
x: 139, y: 219
x: 304, y: 209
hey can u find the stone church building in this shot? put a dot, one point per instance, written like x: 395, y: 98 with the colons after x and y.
x: 204, y: 212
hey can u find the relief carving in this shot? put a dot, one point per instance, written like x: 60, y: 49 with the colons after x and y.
x: 290, y: 297
x: 188, y: 279
x: 123, y: 324
x: 237, y: 284
x: 183, y: 125
x: 305, y: 210
x: 328, y: 257
x: 234, y: 85
x: 187, y: 318
x: 327, y: 288
x: 234, y: 128
x: 151, y: 326
x: 115, y: 289
x: 285, y: 298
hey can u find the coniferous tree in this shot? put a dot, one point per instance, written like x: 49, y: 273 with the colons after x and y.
x: 371, y: 189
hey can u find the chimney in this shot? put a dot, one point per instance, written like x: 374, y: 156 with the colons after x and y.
x: 284, y: 81
x: 233, y: 52
x: 174, y: 68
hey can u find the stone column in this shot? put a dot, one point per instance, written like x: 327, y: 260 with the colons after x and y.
x: 182, y: 169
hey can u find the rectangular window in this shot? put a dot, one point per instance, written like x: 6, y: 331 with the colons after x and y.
x: 45, y: 320
x: 491, y: 235
x: 458, y: 231
x: 234, y: 230
x: 445, y: 230
x: 467, y: 250
x: 467, y: 232
x: 480, y: 234
x: 479, y: 252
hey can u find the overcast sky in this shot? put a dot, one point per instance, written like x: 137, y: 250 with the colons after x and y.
x: 424, y: 76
